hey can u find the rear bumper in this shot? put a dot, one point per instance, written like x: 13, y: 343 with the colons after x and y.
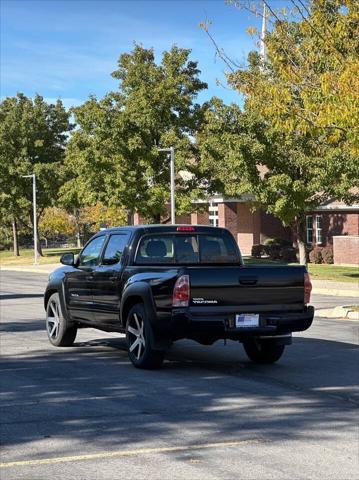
x: 185, y: 323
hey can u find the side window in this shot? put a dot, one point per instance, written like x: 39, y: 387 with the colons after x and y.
x: 318, y: 227
x: 90, y: 254
x: 114, y: 249
x: 309, y: 225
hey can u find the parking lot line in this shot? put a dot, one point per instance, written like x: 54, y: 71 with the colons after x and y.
x: 129, y: 453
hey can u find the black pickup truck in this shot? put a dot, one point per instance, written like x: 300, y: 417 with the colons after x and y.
x: 161, y: 283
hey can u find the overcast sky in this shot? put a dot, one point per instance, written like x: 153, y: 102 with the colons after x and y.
x: 69, y: 48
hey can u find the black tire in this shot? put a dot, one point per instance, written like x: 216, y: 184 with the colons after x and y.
x: 263, y: 351
x: 138, y: 333
x: 59, y: 332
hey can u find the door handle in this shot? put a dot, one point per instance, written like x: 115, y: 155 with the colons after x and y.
x: 113, y: 278
x: 89, y: 277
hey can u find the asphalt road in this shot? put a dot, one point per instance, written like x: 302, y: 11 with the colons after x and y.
x: 84, y: 412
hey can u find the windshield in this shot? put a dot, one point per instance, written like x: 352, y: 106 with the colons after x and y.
x: 187, y: 249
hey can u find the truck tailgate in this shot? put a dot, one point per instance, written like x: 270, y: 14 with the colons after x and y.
x: 253, y: 288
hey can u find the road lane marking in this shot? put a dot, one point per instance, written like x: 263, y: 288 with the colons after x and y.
x: 128, y: 453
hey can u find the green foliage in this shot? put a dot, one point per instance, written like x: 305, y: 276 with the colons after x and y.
x: 33, y: 136
x: 282, y: 242
x: 5, y: 237
x: 55, y: 221
x: 113, y: 156
x: 295, y: 145
x: 308, y: 85
x: 98, y: 216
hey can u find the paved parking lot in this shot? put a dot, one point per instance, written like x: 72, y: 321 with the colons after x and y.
x: 84, y: 412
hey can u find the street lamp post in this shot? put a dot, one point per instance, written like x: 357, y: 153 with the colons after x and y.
x: 33, y: 176
x: 171, y: 151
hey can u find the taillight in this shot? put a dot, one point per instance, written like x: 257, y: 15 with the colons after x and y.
x: 181, y: 292
x: 307, y: 287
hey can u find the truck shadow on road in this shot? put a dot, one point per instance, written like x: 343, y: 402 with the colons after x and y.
x: 25, y: 325
x: 91, y: 393
x: 17, y: 296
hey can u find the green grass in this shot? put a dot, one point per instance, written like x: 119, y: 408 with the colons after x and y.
x: 51, y: 255
x: 334, y: 272
x: 317, y: 272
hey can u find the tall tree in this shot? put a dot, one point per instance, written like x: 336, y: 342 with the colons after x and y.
x: 310, y: 76
x: 241, y: 154
x: 113, y: 157
x: 33, y: 136
x: 304, y: 99
x: 55, y: 221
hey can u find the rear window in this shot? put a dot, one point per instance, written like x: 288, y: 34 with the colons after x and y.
x: 187, y: 249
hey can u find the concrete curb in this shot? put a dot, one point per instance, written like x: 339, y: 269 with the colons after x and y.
x: 344, y: 312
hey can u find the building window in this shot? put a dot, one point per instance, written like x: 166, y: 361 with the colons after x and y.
x: 213, y: 214
x: 309, y: 224
x: 318, y: 228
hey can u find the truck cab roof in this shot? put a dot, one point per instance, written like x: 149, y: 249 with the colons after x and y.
x: 184, y: 228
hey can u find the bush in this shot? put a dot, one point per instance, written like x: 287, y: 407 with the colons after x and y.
x: 273, y: 251
x: 327, y: 255
x: 308, y: 249
x: 276, y: 247
x: 5, y: 244
x: 315, y: 256
x: 278, y: 241
x: 257, y: 250
x: 288, y: 254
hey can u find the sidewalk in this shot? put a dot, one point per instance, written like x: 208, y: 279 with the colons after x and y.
x: 341, y: 289
x: 47, y: 268
x: 347, y: 313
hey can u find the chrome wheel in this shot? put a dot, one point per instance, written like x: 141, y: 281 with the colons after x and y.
x: 53, y: 319
x: 136, y: 336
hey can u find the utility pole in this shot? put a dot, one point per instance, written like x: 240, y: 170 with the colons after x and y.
x: 263, y: 48
x: 171, y: 151
x: 33, y: 176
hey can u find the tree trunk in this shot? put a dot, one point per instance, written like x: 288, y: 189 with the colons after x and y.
x: 301, y: 240
x: 156, y: 218
x: 130, y: 218
x: 15, y: 238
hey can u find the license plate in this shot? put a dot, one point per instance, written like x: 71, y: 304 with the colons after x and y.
x: 247, y: 320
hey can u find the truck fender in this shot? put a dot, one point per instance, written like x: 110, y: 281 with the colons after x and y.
x: 142, y: 291
x: 58, y: 287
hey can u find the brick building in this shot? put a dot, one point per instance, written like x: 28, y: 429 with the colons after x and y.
x: 249, y: 228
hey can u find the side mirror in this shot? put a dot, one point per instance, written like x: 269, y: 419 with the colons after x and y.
x: 68, y: 259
